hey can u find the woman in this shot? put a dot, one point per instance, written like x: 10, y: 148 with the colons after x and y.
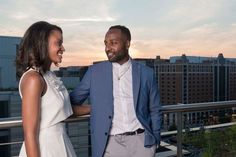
x: 45, y: 100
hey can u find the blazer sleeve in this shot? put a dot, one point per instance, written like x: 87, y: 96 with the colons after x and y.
x: 155, y: 109
x: 81, y: 92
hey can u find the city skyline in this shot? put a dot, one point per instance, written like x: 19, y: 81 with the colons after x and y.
x: 159, y: 28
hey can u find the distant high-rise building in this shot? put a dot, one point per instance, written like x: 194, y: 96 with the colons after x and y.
x: 189, y: 80
x: 186, y: 82
x: 71, y: 75
x: 8, y: 81
x: 8, y: 48
x: 146, y: 61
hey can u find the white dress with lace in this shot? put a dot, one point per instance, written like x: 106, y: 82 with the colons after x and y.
x: 55, y: 107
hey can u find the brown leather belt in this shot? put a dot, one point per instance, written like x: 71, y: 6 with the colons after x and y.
x: 138, y: 131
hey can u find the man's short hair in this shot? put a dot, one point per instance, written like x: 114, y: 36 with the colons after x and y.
x: 124, y: 30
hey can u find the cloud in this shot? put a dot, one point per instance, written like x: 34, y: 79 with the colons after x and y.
x: 203, y: 31
x: 20, y: 16
x: 179, y: 14
x: 72, y: 59
x: 75, y: 17
x: 163, y: 28
x: 59, y: 10
x: 208, y: 40
x: 106, y: 19
x: 11, y: 31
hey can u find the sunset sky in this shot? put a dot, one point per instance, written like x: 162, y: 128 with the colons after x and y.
x: 158, y: 27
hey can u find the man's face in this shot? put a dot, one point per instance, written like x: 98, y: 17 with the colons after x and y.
x: 116, y: 46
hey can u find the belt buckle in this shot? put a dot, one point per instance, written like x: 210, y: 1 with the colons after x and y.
x: 136, y: 132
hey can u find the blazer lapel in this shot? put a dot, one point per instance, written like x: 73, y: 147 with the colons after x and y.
x: 109, y: 82
x: 136, y: 81
x: 109, y: 72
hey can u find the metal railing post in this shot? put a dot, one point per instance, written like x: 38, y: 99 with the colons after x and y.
x: 179, y: 134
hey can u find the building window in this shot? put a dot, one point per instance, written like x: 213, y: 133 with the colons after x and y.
x: 4, y: 109
x: 0, y: 78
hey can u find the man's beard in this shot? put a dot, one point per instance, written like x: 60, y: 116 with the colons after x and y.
x: 118, y: 56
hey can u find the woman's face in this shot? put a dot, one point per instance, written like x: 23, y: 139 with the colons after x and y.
x: 55, y: 47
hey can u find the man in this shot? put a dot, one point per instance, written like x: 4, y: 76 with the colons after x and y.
x: 125, y: 111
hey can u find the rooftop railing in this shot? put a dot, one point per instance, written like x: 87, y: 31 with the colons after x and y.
x: 182, y: 117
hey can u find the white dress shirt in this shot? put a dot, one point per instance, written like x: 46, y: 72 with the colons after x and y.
x: 124, y: 119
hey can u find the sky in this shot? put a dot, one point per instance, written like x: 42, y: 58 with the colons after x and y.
x: 158, y: 27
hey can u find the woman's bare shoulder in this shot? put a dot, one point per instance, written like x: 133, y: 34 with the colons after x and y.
x: 32, y: 80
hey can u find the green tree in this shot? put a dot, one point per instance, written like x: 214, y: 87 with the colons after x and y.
x: 214, y: 143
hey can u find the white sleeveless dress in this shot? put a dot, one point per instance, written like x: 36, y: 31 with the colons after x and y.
x: 55, y: 107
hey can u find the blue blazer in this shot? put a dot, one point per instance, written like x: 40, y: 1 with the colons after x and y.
x: 97, y: 84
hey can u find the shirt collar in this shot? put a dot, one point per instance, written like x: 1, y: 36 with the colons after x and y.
x: 123, y: 66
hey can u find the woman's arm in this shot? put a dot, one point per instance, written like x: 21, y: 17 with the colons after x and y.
x: 31, y: 89
x: 80, y: 110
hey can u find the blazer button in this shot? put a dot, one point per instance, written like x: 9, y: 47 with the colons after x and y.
x: 109, y: 117
x: 106, y: 133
